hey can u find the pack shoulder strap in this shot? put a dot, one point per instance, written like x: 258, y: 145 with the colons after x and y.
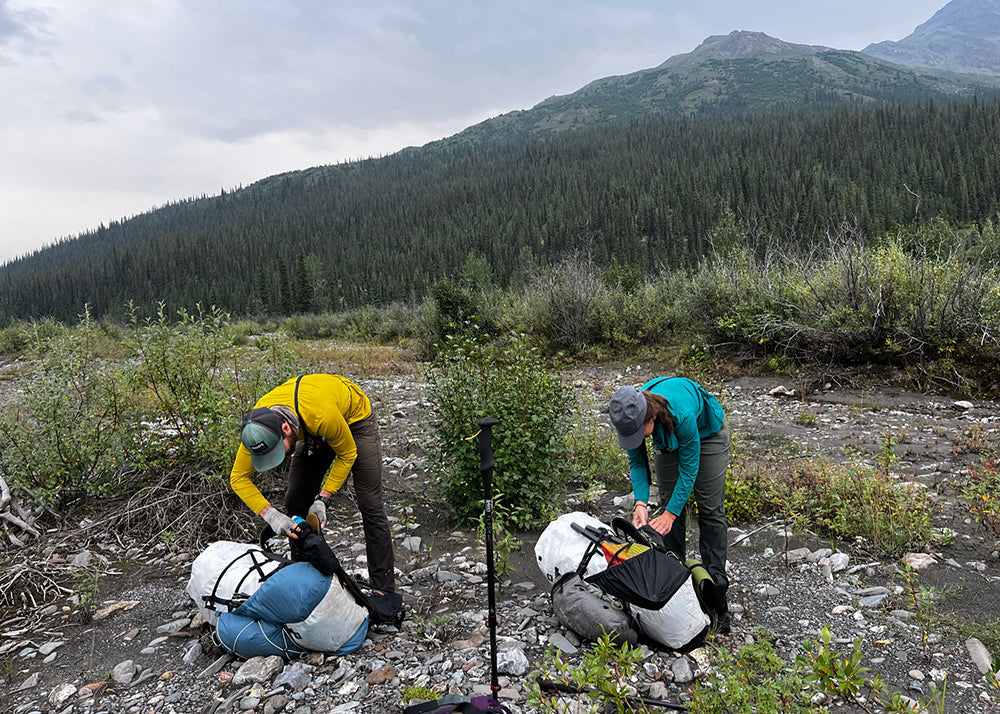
x: 645, y: 453
x: 659, y: 381
x: 592, y: 549
x: 302, y: 422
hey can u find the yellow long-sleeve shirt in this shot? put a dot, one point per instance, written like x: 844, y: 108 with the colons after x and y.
x: 328, y: 405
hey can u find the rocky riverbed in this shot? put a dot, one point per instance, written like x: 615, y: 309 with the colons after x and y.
x: 141, y: 647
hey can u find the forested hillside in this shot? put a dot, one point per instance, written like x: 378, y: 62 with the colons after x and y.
x: 647, y: 193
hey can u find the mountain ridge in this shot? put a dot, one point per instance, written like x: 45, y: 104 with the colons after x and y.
x: 955, y: 37
x: 743, y: 71
x: 514, y: 188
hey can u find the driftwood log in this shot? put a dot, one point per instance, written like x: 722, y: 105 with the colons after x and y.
x: 12, y: 513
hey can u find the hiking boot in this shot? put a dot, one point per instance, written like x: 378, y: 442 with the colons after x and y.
x: 723, y: 621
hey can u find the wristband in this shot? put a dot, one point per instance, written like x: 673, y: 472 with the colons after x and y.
x: 640, y: 503
x: 325, y: 500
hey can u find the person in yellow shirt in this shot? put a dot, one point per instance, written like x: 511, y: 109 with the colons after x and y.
x: 325, y: 422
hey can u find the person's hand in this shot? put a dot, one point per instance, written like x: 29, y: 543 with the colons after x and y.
x: 279, y: 522
x: 640, y: 514
x: 318, y: 508
x: 663, y: 522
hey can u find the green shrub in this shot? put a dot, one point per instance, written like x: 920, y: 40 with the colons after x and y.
x: 643, y: 317
x: 69, y: 431
x: 19, y: 338
x: 753, y: 679
x: 982, y: 494
x: 601, y: 680
x: 593, y: 456
x: 84, y: 425
x: 454, y: 306
x: 312, y: 327
x: 566, y: 298
x: 748, y: 493
x: 14, y: 340
x: 196, y: 386
x: 855, y: 503
x: 471, y: 378
x: 833, y: 674
x: 887, y: 302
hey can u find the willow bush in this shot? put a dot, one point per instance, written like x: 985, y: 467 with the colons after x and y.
x: 83, y: 424
x: 851, y: 302
x: 472, y: 377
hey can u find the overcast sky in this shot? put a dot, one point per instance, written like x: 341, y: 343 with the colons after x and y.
x: 112, y: 107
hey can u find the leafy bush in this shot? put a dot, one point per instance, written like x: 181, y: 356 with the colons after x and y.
x: 85, y: 425
x: 599, y: 683
x: 888, y: 302
x: 593, y: 456
x: 471, y: 378
x: 369, y: 323
x: 856, y: 503
x: 20, y: 337
x: 753, y: 679
x: 454, y: 306
x: 68, y: 432
x: 982, y: 493
x: 195, y: 386
x: 748, y: 492
x: 846, y: 501
x: 565, y: 299
x: 833, y: 674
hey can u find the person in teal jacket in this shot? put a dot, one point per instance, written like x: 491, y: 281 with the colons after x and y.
x: 690, y: 440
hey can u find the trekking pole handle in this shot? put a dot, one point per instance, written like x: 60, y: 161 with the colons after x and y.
x: 486, y: 460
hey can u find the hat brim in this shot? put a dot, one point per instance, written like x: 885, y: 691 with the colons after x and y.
x: 631, y: 441
x: 271, y: 460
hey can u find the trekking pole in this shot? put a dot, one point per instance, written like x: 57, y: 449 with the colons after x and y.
x: 486, y: 470
x: 546, y: 685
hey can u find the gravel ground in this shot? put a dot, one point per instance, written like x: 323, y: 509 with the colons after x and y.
x: 146, y: 654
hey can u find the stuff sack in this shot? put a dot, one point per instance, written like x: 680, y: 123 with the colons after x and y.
x: 311, y: 547
x: 246, y: 637
x: 704, y: 587
x: 583, y: 609
x: 384, y: 608
x: 648, y: 579
x: 681, y: 624
x: 560, y: 549
x: 226, y: 574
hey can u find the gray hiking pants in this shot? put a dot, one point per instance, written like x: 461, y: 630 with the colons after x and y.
x: 709, y: 493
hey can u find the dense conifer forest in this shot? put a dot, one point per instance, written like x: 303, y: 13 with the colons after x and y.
x: 648, y: 194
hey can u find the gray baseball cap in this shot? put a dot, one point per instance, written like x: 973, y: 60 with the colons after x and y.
x: 628, y: 415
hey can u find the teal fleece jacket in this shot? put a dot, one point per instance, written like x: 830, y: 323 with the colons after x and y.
x: 697, y: 415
